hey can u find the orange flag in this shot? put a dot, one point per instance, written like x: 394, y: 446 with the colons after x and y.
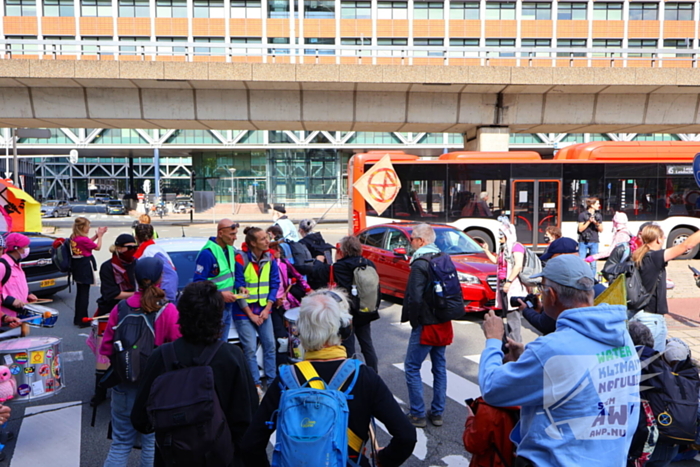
x: 380, y: 185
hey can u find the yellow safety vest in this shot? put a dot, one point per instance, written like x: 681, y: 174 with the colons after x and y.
x: 226, y: 279
x: 258, y: 285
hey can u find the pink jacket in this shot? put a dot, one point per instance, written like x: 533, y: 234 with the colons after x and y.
x: 287, y: 273
x: 16, y: 286
x: 166, y: 327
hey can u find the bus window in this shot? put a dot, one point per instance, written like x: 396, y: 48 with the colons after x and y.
x: 422, y: 195
x: 477, y: 191
x: 633, y: 190
x: 681, y: 196
x: 582, y: 181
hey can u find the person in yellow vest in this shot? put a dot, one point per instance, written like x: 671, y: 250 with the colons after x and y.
x: 258, y: 272
x: 216, y: 262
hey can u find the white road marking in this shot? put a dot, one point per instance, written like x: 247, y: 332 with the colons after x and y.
x: 454, y: 461
x: 466, y: 323
x: 474, y: 358
x: 52, y: 435
x: 421, y: 448
x: 458, y: 388
x: 74, y: 356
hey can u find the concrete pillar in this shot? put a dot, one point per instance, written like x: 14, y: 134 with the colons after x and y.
x: 487, y: 138
x: 156, y: 172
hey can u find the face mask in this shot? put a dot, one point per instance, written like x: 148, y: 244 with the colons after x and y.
x: 24, y: 253
x: 547, y: 239
x: 128, y: 255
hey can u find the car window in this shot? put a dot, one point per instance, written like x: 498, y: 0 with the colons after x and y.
x: 373, y: 237
x: 50, y: 203
x: 115, y: 203
x: 396, y: 239
x: 184, y: 262
x: 455, y: 242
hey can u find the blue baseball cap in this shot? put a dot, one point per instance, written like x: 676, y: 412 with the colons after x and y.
x: 563, y: 245
x: 567, y: 270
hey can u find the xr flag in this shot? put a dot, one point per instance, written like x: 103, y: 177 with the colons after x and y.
x: 379, y: 185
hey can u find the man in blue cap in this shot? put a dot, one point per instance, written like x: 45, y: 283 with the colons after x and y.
x: 578, y: 387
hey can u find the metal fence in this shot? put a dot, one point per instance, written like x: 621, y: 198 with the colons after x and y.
x: 348, y: 54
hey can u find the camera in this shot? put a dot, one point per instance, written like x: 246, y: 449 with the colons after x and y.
x: 530, y: 301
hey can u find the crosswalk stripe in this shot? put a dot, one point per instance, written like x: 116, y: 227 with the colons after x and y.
x: 458, y: 388
x: 474, y: 358
x: 51, y: 438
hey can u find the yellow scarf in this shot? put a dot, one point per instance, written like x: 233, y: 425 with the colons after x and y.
x: 327, y: 353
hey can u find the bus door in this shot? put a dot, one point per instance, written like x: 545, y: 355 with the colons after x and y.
x: 535, y: 205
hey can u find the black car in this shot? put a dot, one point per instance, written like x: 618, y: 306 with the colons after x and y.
x: 43, y: 278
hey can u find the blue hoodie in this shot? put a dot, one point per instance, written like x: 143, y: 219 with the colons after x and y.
x: 578, y: 389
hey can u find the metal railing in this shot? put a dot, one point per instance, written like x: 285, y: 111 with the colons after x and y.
x: 349, y: 54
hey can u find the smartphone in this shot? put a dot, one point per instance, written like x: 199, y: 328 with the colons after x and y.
x: 695, y: 271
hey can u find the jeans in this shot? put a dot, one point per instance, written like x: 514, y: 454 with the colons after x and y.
x: 82, y: 300
x: 226, y: 320
x: 415, y: 355
x: 587, y: 249
x: 657, y: 325
x: 247, y: 334
x: 123, y: 433
x: 364, y: 337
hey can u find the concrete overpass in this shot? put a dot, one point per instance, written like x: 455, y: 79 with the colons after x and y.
x: 336, y: 97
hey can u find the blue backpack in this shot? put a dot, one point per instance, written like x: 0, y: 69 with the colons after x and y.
x: 312, y: 419
x: 446, y: 300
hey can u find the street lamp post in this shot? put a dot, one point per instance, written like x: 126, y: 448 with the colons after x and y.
x: 233, y: 192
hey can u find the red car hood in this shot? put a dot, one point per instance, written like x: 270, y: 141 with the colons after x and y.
x: 474, y: 264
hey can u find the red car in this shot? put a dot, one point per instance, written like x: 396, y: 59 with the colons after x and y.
x: 388, y: 246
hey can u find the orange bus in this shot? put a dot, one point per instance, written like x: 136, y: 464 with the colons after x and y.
x: 650, y: 181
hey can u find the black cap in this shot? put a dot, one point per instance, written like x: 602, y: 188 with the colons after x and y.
x: 563, y: 245
x: 279, y: 208
x: 123, y: 239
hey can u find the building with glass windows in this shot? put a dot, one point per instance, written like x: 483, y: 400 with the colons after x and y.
x: 293, y: 166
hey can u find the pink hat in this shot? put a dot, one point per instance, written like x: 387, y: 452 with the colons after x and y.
x: 16, y: 240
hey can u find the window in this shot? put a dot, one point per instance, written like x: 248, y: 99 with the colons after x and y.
x: 464, y: 10
x: 96, y: 7
x: 209, y: 50
x: 60, y: 48
x: 97, y: 48
x: 134, y: 9
x: 500, y: 10
x: 428, y: 10
x: 608, y: 44
x: 574, y: 11
x: 644, y: 11
x: 59, y: 8
x: 242, y: 41
x: 246, y: 9
x: 392, y: 10
x: 22, y: 48
x: 171, y: 8
x: 319, y: 41
x: 678, y: 12
x: 535, y: 43
x: 133, y: 49
x: 641, y: 44
x: 607, y: 11
x: 170, y: 49
x: 358, y: 41
x: 538, y: 10
x: 356, y: 10
x: 397, y: 239
x: 323, y: 9
x: 278, y: 40
x: 391, y: 42
x: 208, y: 8
x: 678, y: 44
x: 571, y: 44
x: 498, y: 43
x: 456, y: 42
x: 20, y: 8
x: 373, y: 237
x: 429, y: 43
x: 280, y: 9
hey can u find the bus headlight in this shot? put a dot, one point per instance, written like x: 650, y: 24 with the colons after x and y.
x: 468, y: 279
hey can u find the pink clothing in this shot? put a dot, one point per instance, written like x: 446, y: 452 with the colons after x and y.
x: 16, y: 285
x: 166, y: 327
x: 503, y: 264
x: 287, y: 274
x: 82, y: 246
x: 621, y: 236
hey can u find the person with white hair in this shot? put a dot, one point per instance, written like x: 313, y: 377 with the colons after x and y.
x: 621, y: 234
x: 482, y: 206
x: 314, y: 241
x: 323, y: 318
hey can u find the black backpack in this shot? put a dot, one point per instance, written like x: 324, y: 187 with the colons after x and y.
x: 638, y: 297
x: 134, y: 341
x: 445, y: 298
x: 62, y: 256
x: 184, y: 409
x: 673, y: 397
x: 301, y: 254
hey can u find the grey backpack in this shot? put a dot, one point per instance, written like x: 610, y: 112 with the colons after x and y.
x: 366, y: 279
x: 531, y: 266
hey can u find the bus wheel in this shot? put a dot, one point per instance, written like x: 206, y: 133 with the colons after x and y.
x: 677, y: 237
x: 481, y: 235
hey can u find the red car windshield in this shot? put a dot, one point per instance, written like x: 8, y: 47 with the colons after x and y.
x: 454, y: 242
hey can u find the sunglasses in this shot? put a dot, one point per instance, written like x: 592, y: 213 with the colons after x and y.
x: 132, y: 247
x: 232, y: 226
